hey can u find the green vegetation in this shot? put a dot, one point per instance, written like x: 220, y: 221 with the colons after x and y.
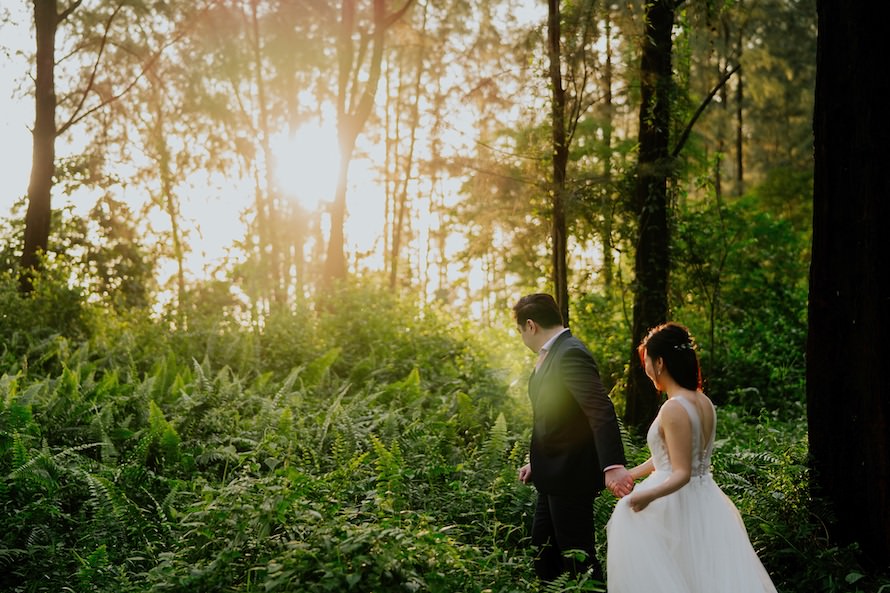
x: 368, y: 447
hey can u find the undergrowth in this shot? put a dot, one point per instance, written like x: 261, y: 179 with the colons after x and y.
x: 372, y: 448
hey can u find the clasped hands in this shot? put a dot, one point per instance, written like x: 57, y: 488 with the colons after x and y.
x: 618, y: 479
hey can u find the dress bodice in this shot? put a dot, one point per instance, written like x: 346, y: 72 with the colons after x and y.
x: 702, y: 446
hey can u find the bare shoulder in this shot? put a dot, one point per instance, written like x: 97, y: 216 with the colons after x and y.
x: 673, y: 414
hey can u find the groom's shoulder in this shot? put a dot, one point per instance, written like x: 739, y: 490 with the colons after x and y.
x: 570, y: 343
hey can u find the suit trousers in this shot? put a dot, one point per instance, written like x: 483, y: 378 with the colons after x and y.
x: 562, y: 523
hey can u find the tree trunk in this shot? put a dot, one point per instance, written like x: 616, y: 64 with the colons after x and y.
x: 37, y: 219
x: 402, y: 203
x: 167, y: 200
x: 847, y: 404
x: 560, y: 158
x: 352, y: 113
x: 608, y: 208
x: 652, y: 261
x: 272, y: 249
x: 739, y: 127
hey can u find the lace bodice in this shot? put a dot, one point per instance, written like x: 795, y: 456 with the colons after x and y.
x: 701, y: 447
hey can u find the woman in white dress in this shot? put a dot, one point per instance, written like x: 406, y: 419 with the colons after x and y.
x: 677, y: 532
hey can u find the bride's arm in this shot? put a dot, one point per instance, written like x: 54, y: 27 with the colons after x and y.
x: 678, y: 437
x: 642, y: 470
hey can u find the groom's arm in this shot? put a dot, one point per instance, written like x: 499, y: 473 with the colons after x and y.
x: 582, y: 379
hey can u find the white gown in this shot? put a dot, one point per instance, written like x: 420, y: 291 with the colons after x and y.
x: 690, y: 541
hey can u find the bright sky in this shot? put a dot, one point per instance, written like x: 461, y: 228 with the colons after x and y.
x: 15, y: 115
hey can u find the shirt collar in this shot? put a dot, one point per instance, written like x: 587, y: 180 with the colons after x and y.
x: 549, y: 343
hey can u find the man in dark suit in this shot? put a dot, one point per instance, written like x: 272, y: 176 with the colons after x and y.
x: 576, y: 446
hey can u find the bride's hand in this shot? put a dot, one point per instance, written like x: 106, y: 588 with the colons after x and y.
x: 638, y: 501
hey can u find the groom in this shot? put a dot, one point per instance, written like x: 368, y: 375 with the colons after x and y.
x: 576, y: 446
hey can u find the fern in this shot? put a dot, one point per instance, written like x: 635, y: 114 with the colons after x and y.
x: 316, y: 370
x: 496, y: 444
x: 389, y: 465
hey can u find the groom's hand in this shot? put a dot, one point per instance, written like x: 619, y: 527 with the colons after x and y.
x: 619, y: 481
x: 525, y: 473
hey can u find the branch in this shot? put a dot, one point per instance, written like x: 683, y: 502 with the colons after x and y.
x: 701, y: 108
x: 391, y: 19
x: 92, y: 80
x: 67, y: 12
x: 148, y: 66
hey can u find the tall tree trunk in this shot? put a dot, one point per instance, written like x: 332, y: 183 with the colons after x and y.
x: 167, y: 200
x: 392, y: 135
x: 652, y: 261
x: 739, y: 129
x: 609, y: 109
x: 38, y: 216
x: 402, y: 203
x: 560, y: 158
x: 849, y: 305
x: 272, y: 249
x: 354, y: 106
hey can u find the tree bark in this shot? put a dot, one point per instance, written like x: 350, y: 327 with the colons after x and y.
x: 608, y: 208
x: 652, y: 260
x: 272, y: 249
x: 847, y: 404
x: 560, y: 158
x: 351, y: 121
x: 402, y: 202
x: 38, y: 216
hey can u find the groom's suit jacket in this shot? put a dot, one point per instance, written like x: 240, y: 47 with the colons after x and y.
x: 575, y: 434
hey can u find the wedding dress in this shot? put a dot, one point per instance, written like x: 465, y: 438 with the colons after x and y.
x: 690, y: 541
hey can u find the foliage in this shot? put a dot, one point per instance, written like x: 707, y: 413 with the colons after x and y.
x: 383, y: 458
x: 367, y: 444
x: 740, y: 283
x: 182, y: 475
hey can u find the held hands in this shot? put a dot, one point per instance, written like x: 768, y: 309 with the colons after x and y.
x: 619, y: 481
x: 525, y: 473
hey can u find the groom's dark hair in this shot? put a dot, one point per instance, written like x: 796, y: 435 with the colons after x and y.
x: 540, y: 308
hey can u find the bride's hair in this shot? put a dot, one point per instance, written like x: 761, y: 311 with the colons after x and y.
x: 673, y: 343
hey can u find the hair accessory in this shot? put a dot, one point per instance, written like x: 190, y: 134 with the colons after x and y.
x: 683, y: 346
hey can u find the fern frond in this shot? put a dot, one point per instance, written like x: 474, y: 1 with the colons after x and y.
x: 316, y: 370
x: 494, y: 446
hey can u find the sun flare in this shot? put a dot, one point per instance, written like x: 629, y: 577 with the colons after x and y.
x: 306, y: 164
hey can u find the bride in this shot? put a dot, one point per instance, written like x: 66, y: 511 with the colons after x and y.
x: 677, y: 532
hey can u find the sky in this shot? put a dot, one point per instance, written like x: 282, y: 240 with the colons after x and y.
x: 15, y: 114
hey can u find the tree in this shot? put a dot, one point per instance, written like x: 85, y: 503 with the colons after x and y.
x: 848, y: 409
x: 96, y: 87
x: 355, y: 102
x: 650, y: 202
x: 399, y: 180
x: 37, y: 219
x: 559, y: 160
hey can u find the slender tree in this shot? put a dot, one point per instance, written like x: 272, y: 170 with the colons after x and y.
x: 849, y: 302
x: 559, y: 161
x: 97, y: 87
x: 355, y: 102
x: 402, y: 202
